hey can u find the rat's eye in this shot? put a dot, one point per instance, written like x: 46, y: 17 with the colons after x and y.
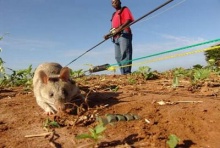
x: 65, y: 92
x: 51, y: 94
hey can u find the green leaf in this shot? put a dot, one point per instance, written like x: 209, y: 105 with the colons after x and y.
x: 84, y: 136
x: 175, y: 81
x: 48, y: 123
x: 92, y: 131
x: 201, y: 74
x: 173, y: 141
x: 95, y: 133
x: 54, y: 124
x: 99, y: 129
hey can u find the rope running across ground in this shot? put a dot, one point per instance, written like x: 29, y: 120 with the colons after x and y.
x: 114, y: 67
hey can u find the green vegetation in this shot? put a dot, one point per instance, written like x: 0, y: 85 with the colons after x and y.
x: 195, y: 75
x: 173, y: 140
x: 95, y: 134
x: 145, y: 72
x: 213, y: 56
x: 200, y: 74
x: 114, y: 88
x: 20, y: 78
x: 177, y: 73
x: 131, y: 81
x: 2, y: 69
x: 77, y: 73
x: 48, y: 124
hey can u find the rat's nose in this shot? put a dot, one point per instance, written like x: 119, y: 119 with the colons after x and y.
x: 60, y: 106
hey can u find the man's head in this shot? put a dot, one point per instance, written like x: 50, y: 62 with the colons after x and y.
x: 116, y: 4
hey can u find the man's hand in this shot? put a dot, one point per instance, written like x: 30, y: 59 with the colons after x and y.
x: 113, y: 32
x: 116, y: 30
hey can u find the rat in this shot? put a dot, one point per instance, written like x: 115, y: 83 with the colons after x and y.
x: 53, y: 88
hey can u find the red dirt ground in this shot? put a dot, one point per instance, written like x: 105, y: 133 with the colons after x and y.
x: 195, y: 123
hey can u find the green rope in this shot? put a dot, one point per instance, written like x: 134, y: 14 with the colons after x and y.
x: 169, y: 51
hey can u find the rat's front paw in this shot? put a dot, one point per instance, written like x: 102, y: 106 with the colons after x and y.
x: 49, y: 111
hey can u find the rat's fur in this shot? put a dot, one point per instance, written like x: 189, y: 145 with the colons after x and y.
x: 53, y: 87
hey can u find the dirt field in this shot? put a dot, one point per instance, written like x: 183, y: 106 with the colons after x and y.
x: 195, y: 123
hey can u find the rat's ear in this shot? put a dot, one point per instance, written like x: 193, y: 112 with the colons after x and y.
x: 43, y: 77
x: 65, y: 74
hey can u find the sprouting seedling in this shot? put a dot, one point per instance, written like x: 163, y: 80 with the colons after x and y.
x: 115, y: 89
x: 175, y: 81
x: 131, y: 81
x: 77, y: 73
x: 172, y: 141
x: 50, y: 124
x: 179, y: 72
x: 201, y: 74
x: 95, y: 134
x: 145, y: 71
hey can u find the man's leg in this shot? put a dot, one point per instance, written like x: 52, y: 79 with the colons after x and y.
x: 126, y: 54
x: 118, y: 54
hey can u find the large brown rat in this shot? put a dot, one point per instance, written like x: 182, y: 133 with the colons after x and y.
x: 53, y: 87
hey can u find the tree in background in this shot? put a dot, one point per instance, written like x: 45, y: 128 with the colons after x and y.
x: 213, y: 56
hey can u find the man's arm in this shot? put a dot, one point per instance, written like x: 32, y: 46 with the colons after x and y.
x: 123, y: 26
x: 117, y: 30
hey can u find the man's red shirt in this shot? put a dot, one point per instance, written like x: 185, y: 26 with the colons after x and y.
x: 119, y: 19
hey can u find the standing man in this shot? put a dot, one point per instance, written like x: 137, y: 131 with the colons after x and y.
x: 122, y: 36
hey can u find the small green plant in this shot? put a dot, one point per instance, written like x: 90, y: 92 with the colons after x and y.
x: 77, y: 73
x: 173, y: 140
x: 212, y: 56
x: 48, y: 124
x: 177, y: 73
x: 95, y: 134
x: 175, y: 82
x: 113, y: 88
x: 213, y: 65
x: 131, y: 81
x: 20, y: 78
x: 2, y: 69
x: 145, y: 71
x: 201, y: 74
